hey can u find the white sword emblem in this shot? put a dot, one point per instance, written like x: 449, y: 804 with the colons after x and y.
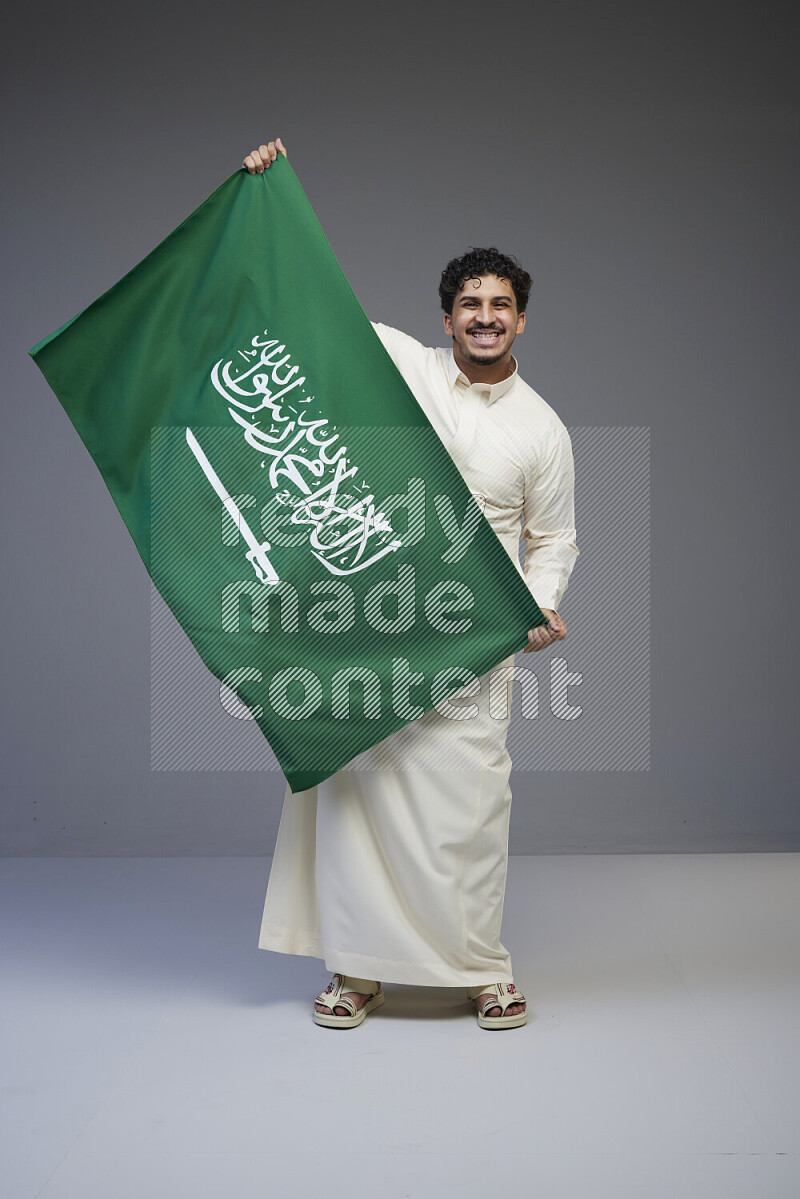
x: 257, y: 554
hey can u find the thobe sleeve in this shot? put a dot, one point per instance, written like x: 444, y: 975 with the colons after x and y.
x: 404, y: 350
x: 549, y: 522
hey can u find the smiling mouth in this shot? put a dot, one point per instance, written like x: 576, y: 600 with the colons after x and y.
x: 486, y: 336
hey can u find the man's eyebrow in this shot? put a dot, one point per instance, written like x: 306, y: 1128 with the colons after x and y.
x: 467, y: 299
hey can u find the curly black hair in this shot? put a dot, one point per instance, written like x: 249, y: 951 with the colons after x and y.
x: 477, y: 262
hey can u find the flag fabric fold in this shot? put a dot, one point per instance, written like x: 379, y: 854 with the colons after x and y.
x: 281, y: 483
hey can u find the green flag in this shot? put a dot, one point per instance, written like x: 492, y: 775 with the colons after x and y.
x: 282, y: 484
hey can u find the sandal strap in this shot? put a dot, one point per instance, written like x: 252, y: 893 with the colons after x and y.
x: 502, y: 995
x: 332, y: 997
x: 344, y: 1002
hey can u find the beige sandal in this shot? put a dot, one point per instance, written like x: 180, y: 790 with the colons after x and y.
x: 501, y: 995
x: 333, y: 997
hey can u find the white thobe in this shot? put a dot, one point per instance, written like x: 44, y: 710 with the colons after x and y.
x: 394, y: 868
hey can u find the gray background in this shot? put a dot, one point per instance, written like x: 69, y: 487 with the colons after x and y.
x: 641, y: 160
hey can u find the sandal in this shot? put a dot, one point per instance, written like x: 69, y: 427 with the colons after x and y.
x: 332, y: 997
x: 502, y: 995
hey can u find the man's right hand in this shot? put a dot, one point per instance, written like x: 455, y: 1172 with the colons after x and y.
x: 257, y: 161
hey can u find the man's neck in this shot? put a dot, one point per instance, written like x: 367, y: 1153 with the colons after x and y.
x: 492, y: 372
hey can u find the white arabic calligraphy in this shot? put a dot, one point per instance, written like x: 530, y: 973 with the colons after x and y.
x: 307, y: 461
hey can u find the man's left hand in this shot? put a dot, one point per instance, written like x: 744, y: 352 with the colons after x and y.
x: 546, y: 634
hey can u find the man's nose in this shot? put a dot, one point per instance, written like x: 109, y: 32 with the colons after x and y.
x: 486, y: 316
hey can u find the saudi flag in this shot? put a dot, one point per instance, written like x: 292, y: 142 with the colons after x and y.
x: 286, y: 492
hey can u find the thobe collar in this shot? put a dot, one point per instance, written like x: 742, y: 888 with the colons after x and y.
x: 491, y: 391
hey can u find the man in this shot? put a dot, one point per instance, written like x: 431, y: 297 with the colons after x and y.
x: 410, y: 876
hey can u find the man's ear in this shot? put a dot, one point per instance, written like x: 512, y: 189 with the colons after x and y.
x: 520, y: 322
x: 448, y: 324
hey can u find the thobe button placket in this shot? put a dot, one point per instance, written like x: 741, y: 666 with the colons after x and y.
x: 469, y: 402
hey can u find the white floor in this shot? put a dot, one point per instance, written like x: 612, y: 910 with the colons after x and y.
x: 151, y: 1050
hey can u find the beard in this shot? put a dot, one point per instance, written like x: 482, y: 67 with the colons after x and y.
x: 470, y: 354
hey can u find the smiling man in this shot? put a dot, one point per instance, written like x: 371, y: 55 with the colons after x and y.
x: 484, y: 315
x: 397, y: 871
